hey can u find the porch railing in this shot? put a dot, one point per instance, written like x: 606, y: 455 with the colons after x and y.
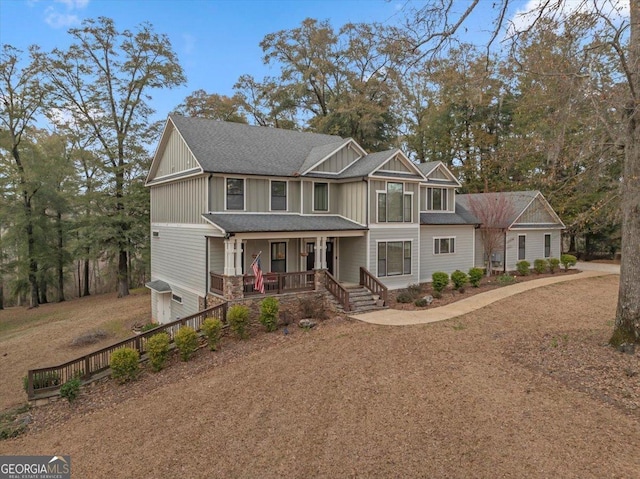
x: 373, y: 284
x: 217, y: 283
x: 338, y: 291
x: 278, y: 283
x: 43, y: 380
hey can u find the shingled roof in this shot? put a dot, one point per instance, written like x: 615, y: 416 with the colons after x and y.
x: 224, y: 147
x: 461, y: 217
x: 247, y: 222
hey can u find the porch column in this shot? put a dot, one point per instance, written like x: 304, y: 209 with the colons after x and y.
x: 238, y: 258
x: 316, y: 263
x: 229, y: 260
x: 323, y: 252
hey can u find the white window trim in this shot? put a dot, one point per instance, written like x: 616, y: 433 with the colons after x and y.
x: 378, y: 192
x: 454, y: 238
x: 403, y: 241
x: 518, y: 247
x: 174, y: 296
x: 313, y: 197
x: 544, y: 248
x: 244, y: 192
x: 449, y: 195
x: 286, y: 198
x: 411, y: 216
x: 155, y: 234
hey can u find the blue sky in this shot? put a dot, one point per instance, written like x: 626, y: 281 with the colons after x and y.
x: 216, y: 40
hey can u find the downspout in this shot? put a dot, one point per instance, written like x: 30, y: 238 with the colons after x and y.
x: 504, y: 255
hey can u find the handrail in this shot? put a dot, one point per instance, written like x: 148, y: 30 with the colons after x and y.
x: 338, y: 291
x: 85, y: 367
x: 217, y: 283
x: 279, y: 283
x: 373, y: 284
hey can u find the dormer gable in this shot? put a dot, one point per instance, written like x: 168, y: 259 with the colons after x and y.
x: 437, y: 173
x: 538, y: 213
x: 397, y: 164
x: 332, y: 159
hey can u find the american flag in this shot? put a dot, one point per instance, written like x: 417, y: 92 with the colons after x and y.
x: 257, y: 272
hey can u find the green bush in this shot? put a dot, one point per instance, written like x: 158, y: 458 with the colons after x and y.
x: 414, y: 290
x: 212, y: 328
x: 158, y: 350
x: 475, y: 276
x: 421, y: 302
x: 71, y: 389
x: 404, y: 297
x: 186, y: 340
x: 42, y: 380
x: 459, y: 279
x: 238, y: 317
x: 269, y: 313
x: 568, y: 260
x: 148, y: 327
x: 505, y: 279
x: 125, y: 364
x: 440, y: 281
x: 554, y: 264
x: 540, y: 266
x: 523, y: 267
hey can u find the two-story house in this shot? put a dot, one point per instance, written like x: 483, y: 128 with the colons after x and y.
x: 223, y: 194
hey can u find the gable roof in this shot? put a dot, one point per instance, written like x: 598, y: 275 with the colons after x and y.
x: 520, y: 200
x: 427, y: 168
x: 236, y: 148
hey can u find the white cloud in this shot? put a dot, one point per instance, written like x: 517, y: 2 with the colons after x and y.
x: 60, y: 20
x: 74, y: 4
x: 189, y: 43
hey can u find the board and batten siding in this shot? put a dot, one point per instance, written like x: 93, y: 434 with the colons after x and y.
x: 352, y: 253
x: 381, y: 185
x: 352, y: 201
x: 338, y: 161
x: 536, y: 213
x: 395, y: 234
x: 334, y: 197
x: 176, y: 157
x: 534, y: 245
x: 462, y: 259
x: 451, y: 197
x: 179, y: 202
x: 178, y: 257
x: 257, y: 194
x: 395, y: 164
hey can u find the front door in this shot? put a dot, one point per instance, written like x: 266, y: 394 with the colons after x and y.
x: 311, y: 256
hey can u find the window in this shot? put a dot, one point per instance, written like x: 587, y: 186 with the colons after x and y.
x: 444, y: 245
x: 437, y: 199
x: 321, y: 197
x: 521, y: 247
x: 394, y: 258
x: 394, y: 205
x: 547, y: 246
x: 156, y: 234
x: 278, y: 195
x: 176, y: 298
x: 279, y: 257
x: 235, y: 194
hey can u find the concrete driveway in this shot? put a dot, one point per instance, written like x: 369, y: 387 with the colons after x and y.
x: 603, y: 267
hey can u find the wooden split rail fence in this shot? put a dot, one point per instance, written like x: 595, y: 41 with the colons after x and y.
x: 42, y: 382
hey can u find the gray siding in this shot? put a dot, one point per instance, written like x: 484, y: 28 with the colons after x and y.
x: 534, y: 245
x: 536, y: 213
x: 178, y: 256
x: 216, y: 255
x: 176, y: 157
x: 439, y: 174
x: 337, y: 162
x: 179, y: 202
x: 293, y: 199
x: 396, y: 234
x: 352, y: 201
x: 257, y: 194
x: 451, y: 197
x: 352, y: 253
x: 395, y: 164
x: 380, y: 185
x: 255, y: 246
x: 334, y: 197
x: 462, y: 259
x: 216, y: 193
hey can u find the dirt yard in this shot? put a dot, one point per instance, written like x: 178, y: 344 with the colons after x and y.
x: 31, y: 338
x: 523, y: 388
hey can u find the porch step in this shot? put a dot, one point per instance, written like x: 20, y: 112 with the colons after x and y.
x: 361, y: 300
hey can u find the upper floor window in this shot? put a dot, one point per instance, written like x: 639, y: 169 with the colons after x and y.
x: 394, y: 205
x: 321, y: 197
x: 437, y: 199
x: 278, y: 195
x: 235, y: 194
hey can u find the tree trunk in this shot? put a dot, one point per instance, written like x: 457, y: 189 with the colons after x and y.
x: 42, y: 290
x: 123, y: 266
x: 86, y: 275
x: 60, y: 257
x: 627, y: 325
x: 1, y: 295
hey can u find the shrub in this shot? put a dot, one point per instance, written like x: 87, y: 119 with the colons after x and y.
x: 440, y: 281
x: 238, y: 317
x: 187, y: 342
x: 311, y: 307
x: 269, y: 313
x: 212, y: 328
x: 414, y: 290
x: 71, y: 389
x: 42, y: 380
x: 148, y: 327
x: 459, y: 279
x: 554, y: 263
x: 90, y: 337
x: 475, y: 276
x: 505, y: 279
x: 158, y: 350
x: 125, y: 364
x: 540, y: 266
x: 404, y: 297
x: 568, y: 260
x: 523, y: 267
x: 421, y: 302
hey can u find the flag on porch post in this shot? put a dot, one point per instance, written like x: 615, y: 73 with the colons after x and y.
x: 257, y: 272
